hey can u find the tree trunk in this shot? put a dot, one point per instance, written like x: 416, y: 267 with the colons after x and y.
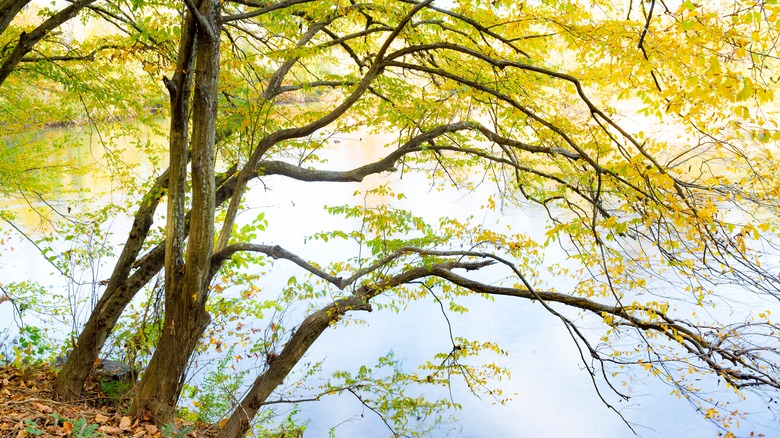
x: 187, y: 285
x: 158, y: 392
x: 70, y: 381
x: 312, y: 327
x: 120, y: 290
x: 300, y: 342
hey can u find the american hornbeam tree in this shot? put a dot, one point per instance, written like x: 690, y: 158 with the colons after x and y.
x: 58, y: 87
x: 645, y: 130
x: 20, y: 34
x: 51, y: 77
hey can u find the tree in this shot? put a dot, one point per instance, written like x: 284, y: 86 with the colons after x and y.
x: 536, y: 99
x: 19, y: 36
x: 53, y: 77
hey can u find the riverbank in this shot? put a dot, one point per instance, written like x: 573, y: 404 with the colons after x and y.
x: 28, y: 409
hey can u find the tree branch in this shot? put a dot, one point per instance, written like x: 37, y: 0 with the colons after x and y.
x: 8, y: 10
x: 264, y: 9
x: 88, y: 57
x: 28, y: 40
x: 284, y: 134
x: 308, y: 332
x: 753, y: 372
x: 202, y: 23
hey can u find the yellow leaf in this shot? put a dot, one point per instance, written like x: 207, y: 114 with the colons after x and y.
x: 746, y: 92
x: 742, y: 112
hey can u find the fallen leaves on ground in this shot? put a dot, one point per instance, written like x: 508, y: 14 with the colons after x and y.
x: 28, y: 409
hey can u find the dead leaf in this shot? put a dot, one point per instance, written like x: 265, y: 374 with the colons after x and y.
x: 67, y: 427
x: 151, y: 429
x: 100, y: 418
x: 42, y: 408
x: 125, y: 423
x: 110, y: 430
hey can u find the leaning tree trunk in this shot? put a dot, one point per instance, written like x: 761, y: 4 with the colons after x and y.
x: 278, y: 369
x: 120, y: 290
x: 187, y: 285
x: 310, y: 329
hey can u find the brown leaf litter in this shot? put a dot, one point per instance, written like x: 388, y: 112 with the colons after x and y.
x: 28, y: 408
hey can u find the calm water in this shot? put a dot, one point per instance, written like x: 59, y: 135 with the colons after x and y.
x: 554, y: 396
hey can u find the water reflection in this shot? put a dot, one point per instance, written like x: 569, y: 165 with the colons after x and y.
x: 554, y: 395
x: 92, y: 154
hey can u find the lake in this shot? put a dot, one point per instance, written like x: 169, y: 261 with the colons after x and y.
x: 554, y: 394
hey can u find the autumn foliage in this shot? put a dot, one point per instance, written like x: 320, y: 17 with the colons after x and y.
x: 645, y: 132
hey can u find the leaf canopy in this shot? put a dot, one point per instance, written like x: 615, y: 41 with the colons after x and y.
x: 645, y: 131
